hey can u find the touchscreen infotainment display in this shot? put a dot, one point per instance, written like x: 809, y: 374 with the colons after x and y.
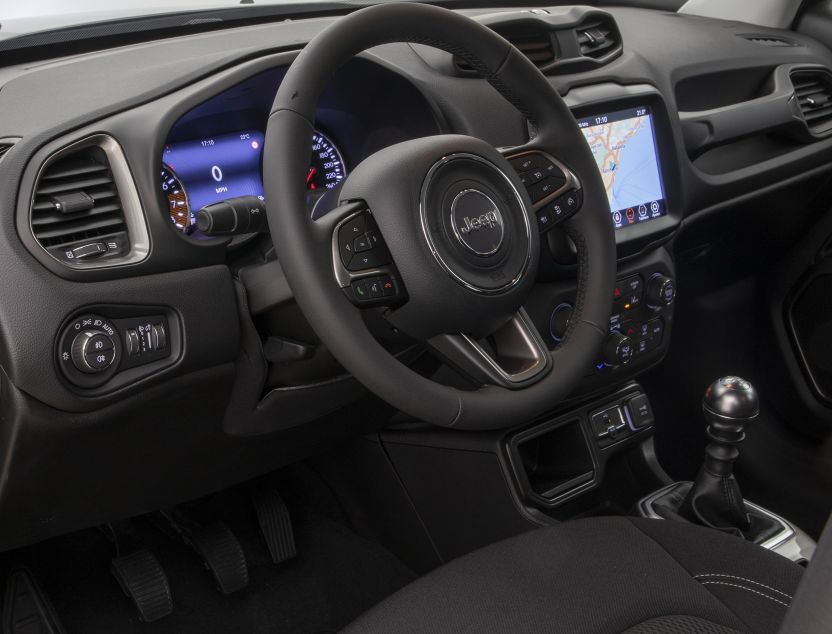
x: 624, y: 146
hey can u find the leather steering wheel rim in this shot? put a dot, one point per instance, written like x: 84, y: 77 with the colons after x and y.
x: 303, y: 244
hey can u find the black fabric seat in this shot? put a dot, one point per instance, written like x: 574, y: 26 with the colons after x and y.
x: 599, y: 576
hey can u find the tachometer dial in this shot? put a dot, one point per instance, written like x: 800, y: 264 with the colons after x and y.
x: 178, y: 207
x: 327, y: 168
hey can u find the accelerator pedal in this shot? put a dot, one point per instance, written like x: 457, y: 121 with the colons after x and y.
x: 26, y: 609
x: 222, y: 555
x: 143, y: 580
x: 275, y: 523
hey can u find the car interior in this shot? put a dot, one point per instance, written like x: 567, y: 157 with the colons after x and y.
x: 455, y: 316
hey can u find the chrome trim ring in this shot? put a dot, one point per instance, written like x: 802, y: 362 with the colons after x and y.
x: 432, y: 245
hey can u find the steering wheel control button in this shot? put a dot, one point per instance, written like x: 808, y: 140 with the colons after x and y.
x: 638, y: 412
x: 546, y: 187
x: 380, y: 290
x: 361, y: 244
x: 661, y: 291
x: 558, y: 210
x: 348, y: 233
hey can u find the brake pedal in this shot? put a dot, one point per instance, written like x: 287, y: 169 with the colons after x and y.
x: 143, y: 580
x: 215, y: 544
x: 26, y: 609
x: 275, y: 523
x: 223, y: 556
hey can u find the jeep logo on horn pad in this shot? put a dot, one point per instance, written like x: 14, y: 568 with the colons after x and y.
x: 477, y: 222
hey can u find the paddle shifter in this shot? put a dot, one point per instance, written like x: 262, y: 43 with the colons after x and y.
x: 729, y: 404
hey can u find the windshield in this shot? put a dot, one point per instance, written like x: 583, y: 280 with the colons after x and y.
x: 28, y: 16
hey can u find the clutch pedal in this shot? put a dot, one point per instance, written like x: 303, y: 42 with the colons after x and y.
x: 143, y: 580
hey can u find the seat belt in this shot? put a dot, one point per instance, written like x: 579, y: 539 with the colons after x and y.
x: 811, y: 608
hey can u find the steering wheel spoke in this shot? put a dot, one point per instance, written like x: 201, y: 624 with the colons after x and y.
x: 513, y: 357
x: 554, y: 189
x: 362, y: 264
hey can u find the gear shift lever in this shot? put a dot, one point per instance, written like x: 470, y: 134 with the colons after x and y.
x: 729, y: 404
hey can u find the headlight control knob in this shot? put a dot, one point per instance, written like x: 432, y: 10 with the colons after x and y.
x: 618, y: 349
x: 89, y: 350
x: 92, y: 351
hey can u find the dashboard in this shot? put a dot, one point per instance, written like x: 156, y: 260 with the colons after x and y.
x: 212, y: 376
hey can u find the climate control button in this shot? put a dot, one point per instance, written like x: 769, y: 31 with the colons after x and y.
x: 618, y: 349
x: 661, y: 291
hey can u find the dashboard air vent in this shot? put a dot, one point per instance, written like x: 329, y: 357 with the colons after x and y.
x: 4, y: 147
x: 535, y: 43
x: 76, y: 199
x: 598, y: 38
x: 767, y: 40
x: 814, y: 95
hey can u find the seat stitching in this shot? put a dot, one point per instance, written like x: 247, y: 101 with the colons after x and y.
x: 736, y: 585
x: 756, y: 583
x: 679, y: 563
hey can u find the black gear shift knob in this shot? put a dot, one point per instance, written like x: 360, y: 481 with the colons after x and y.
x: 731, y: 398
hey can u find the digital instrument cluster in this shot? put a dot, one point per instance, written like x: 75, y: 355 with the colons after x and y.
x: 199, y: 172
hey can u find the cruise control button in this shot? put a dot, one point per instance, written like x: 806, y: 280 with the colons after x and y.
x: 528, y: 162
x: 546, y: 187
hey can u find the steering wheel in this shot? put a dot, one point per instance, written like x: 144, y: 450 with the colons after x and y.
x: 442, y: 233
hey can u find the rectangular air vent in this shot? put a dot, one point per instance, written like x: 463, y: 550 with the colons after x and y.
x: 76, y: 199
x: 813, y: 89
x: 85, y: 210
x: 4, y: 147
x: 598, y: 38
x: 767, y: 40
x: 535, y: 43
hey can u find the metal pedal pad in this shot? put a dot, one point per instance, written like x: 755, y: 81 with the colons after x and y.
x: 144, y: 581
x: 26, y: 609
x: 275, y: 523
x: 223, y: 556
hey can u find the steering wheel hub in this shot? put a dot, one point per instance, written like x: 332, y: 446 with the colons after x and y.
x: 476, y: 223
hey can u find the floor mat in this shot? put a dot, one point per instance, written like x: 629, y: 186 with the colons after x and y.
x: 336, y: 576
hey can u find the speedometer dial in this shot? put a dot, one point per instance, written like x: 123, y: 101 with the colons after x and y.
x: 178, y: 207
x: 327, y: 168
